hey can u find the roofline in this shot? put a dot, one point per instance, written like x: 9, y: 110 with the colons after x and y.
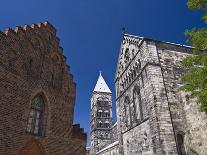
x: 150, y: 39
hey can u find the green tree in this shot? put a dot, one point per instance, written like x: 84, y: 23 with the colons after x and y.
x: 195, y: 80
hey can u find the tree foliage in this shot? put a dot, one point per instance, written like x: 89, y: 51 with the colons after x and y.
x: 199, y: 5
x: 195, y: 80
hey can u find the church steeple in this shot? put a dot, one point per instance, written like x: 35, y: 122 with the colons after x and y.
x: 101, y: 116
x: 101, y: 85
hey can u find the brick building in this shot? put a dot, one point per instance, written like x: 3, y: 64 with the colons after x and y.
x: 37, y: 95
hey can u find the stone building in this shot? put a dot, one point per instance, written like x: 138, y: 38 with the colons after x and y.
x: 37, y: 95
x: 101, y: 116
x: 153, y: 116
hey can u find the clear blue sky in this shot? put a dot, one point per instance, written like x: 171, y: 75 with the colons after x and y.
x: 90, y: 33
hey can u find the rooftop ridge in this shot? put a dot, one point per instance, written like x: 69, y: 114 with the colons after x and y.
x: 147, y: 38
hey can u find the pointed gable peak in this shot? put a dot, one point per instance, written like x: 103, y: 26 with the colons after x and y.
x: 101, y: 85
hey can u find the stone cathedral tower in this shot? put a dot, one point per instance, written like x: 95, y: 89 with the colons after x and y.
x: 101, y: 116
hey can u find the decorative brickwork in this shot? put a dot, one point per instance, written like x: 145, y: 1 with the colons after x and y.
x: 32, y: 64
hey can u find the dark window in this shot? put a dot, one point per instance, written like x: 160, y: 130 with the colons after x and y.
x: 102, y: 103
x: 180, y: 144
x: 107, y: 113
x: 34, y: 125
x: 126, y: 55
x: 100, y: 113
x: 106, y: 124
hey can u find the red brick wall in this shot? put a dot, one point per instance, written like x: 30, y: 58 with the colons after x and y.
x: 32, y: 63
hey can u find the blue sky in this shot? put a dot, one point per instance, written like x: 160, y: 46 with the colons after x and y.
x: 90, y: 33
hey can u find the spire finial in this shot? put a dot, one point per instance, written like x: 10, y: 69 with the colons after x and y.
x: 123, y: 30
x: 100, y: 73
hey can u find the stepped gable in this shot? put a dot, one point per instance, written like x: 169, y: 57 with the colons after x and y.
x: 21, y: 33
x: 78, y: 132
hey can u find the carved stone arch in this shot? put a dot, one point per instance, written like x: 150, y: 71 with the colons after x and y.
x: 42, y: 94
x: 102, y: 100
x: 127, y: 112
x: 106, y: 124
x: 100, y: 124
x: 32, y: 147
x: 138, y: 114
x: 134, y: 71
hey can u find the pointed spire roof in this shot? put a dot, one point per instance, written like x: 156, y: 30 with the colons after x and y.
x: 101, y: 85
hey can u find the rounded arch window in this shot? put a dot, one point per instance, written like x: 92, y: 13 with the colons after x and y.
x: 127, y: 113
x: 137, y: 105
x: 99, y: 114
x: 100, y: 124
x: 35, y: 120
x: 106, y: 113
x: 107, y: 125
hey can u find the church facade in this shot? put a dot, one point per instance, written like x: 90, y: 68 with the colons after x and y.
x: 153, y: 115
x: 37, y: 95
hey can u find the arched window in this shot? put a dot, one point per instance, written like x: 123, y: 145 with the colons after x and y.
x: 180, y: 144
x: 127, y: 111
x: 99, y: 114
x: 126, y: 55
x: 137, y: 105
x: 106, y: 113
x: 35, y: 120
x: 100, y: 125
x: 106, y: 135
x: 107, y: 125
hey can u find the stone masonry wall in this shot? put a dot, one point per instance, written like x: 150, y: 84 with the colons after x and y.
x: 138, y: 140
x: 100, y: 137
x: 139, y: 65
x: 114, y: 136
x: 187, y: 119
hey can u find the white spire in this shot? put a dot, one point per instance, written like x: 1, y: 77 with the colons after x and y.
x: 101, y: 85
